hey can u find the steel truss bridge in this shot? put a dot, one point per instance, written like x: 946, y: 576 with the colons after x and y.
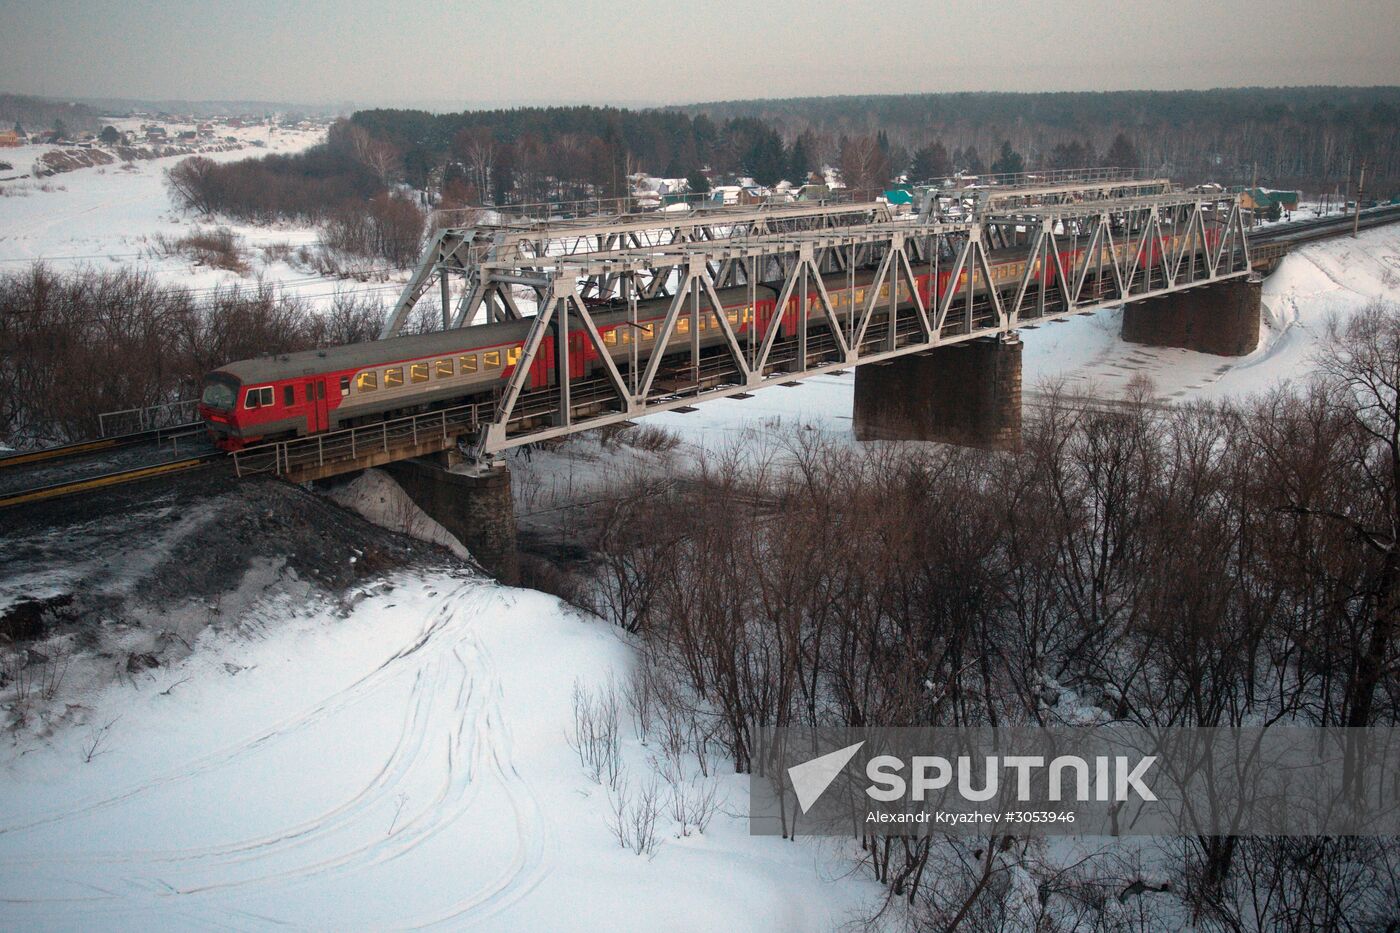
x: 1082, y: 246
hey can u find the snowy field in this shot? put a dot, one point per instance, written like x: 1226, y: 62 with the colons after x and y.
x: 109, y: 217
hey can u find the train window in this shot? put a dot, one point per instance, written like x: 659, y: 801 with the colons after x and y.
x: 344, y: 386
x: 443, y: 368
x: 513, y: 355
x: 469, y: 363
x: 289, y: 396
x: 860, y: 296
x: 491, y: 359
x: 624, y: 335
x: 418, y: 372
x: 393, y: 377
x: 367, y: 381
x: 258, y: 398
x: 610, y: 337
x: 683, y: 326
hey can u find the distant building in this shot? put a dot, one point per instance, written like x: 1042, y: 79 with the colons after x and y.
x: 725, y: 194
x: 9, y: 139
x: 1264, y: 199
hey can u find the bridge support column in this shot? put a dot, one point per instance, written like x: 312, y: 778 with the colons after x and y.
x: 1222, y: 319
x: 475, y: 506
x: 968, y: 394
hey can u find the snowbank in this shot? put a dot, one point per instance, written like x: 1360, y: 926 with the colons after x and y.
x: 376, y: 497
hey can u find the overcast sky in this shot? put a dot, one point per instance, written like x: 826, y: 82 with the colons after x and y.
x: 462, y: 53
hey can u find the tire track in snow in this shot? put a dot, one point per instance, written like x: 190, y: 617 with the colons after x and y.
x: 213, y: 760
x: 454, y: 709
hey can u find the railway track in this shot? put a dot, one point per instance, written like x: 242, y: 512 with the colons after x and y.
x: 101, y: 445
x: 105, y: 480
x: 68, y: 469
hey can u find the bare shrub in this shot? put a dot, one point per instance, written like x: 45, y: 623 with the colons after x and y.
x: 218, y: 248
x: 596, y: 734
x: 632, y: 816
x: 385, y: 227
x: 97, y: 741
x: 693, y: 802
x: 651, y: 438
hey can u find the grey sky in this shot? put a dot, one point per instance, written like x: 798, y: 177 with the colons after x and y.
x: 470, y: 53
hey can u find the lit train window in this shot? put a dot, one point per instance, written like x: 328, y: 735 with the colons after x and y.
x: 393, y: 377
x: 512, y: 356
x: 289, y: 396
x: 443, y: 368
x: 258, y: 398
x: 491, y: 359
x: 860, y: 296
x: 367, y: 382
x: 624, y: 335
x: 469, y: 363
x: 418, y: 372
x: 733, y: 318
x: 683, y: 326
x: 610, y: 337
x: 344, y: 386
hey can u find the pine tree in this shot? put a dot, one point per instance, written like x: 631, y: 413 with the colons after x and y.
x: 1009, y: 162
x: 803, y: 158
x: 698, y: 183
x: 931, y: 162
x: 1122, y: 153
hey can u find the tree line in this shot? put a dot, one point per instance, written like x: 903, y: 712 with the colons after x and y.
x: 1310, y: 137
x: 75, y: 344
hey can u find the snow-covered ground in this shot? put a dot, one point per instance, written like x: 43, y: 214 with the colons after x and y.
x: 109, y: 216
x: 401, y: 764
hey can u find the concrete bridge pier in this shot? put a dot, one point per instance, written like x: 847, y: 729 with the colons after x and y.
x: 475, y: 506
x: 968, y: 394
x: 1222, y: 319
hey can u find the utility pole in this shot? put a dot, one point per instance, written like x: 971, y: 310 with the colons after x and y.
x: 1360, y: 190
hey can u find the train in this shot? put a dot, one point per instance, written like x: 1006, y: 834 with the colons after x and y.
x: 316, y: 391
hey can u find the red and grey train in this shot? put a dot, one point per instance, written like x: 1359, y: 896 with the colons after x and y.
x: 313, y: 391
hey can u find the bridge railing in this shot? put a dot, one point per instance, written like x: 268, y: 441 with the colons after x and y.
x: 353, y: 445
x: 131, y: 420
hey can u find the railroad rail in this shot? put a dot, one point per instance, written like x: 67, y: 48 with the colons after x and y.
x: 105, y: 480
x: 1269, y: 244
x: 100, y: 445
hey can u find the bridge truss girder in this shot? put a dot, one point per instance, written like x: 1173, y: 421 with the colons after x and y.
x: 456, y: 254
x: 1125, y: 250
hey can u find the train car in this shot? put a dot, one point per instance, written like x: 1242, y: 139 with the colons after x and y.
x: 314, y: 391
